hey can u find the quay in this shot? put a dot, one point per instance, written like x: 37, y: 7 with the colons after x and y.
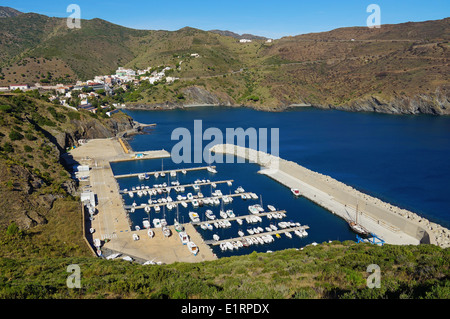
x: 164, y: 171
x: 111, y: 224
x: 169, y: 188
x: 279, y: 231
x: 394, y: 225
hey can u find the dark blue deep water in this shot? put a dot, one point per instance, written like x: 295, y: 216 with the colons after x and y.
x: 403, y: 160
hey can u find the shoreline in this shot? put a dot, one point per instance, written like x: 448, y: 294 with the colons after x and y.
x: 394, y: 224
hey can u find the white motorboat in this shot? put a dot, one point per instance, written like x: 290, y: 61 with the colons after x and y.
x: 254, y: 196
x: 196, y: 187
x: 166, y: 231
x: 194, y: 217
x: 156, y: 175
x: 184, y: 171
x: 163, y: 222
x: 239, y: 221
x: 157, y: 223
x: 163, y: 174
x: 239, y: 190
x: 190, y: 196
x: 209, y: 214
x: 250, y: 231
x: 216, y: 237
x: 146, y: 223
x: 223, y: 246
x: 173, y: 173
x: 288, y: 234
x: 150, y: 233
x: 211, y: 169
x: 229, y: 183
x: 192, y: 248
x: 131, y: 194
x: 241, y: 233
x: 230, y: 213
x: 275, y: 228
x: 92, y: 230
x: 157, y: 209
x: 253, y: 209
x: 147, y: 209
x: 209, y: 226
x: 135, y: 237
x: 295, y: 191
x: 223, y: 214
x: 184, y: 238
x: 184, y: 204
x: 139, y: 193
x: 271, y: 208
x: 195, y: 203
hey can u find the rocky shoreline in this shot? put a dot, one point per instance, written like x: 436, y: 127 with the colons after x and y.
x: 437, y: 103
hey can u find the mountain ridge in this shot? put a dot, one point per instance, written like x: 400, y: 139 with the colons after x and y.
x: 346, y: 68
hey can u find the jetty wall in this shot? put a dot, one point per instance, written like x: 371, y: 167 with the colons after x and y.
x: 385, y: 214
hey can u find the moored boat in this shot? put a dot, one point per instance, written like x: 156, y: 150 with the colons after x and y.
x: 192, y: 248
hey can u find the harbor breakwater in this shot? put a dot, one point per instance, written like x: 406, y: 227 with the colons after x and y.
x: 343, y: 200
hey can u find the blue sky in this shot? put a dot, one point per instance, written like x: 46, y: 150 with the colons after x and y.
x: 272, y: 19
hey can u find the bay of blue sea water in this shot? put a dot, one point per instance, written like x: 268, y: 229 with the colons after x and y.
x: 403, y: 160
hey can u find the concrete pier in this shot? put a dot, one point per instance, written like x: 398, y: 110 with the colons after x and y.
x: 393, y: 224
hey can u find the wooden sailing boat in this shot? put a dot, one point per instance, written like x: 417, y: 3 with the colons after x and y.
x: 356, y: 227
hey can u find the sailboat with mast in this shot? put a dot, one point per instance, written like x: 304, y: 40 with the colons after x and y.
x: 356, y: 227
x: 178, y: 227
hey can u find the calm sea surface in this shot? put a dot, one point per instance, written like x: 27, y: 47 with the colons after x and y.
x: 404, y: 160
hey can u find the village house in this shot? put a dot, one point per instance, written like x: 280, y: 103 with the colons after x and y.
x: 22, y: 87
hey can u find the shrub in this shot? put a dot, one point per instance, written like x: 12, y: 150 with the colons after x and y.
x: 28, y: 149
x: 15, y: 136
x: 6, y: 108
x: 8, y: 148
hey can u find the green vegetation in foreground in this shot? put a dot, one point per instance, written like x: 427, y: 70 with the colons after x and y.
x: 336, y: 270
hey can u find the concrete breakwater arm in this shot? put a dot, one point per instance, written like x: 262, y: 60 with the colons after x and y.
x: 394, y: 224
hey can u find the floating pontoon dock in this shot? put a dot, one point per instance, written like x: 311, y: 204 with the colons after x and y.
x: 173, y: 186
x: 186, y: 201
x: 279, y: 231
x: 237, y: 217
x: 164, y: 171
